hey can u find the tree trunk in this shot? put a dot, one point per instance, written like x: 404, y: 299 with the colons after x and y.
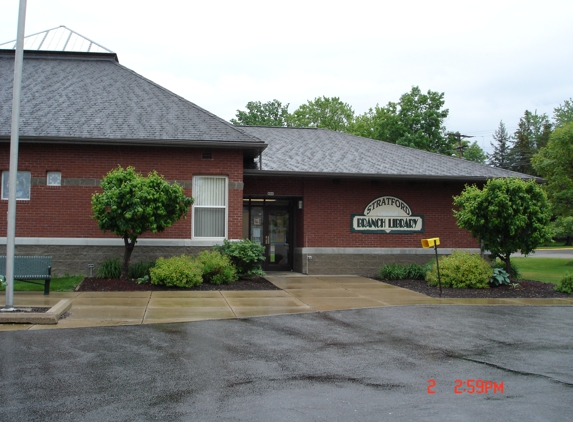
x: 568, y: 241
x: 126, y: 257
x: 508, y: 265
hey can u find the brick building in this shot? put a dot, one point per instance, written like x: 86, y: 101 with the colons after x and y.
x: 320, y: 201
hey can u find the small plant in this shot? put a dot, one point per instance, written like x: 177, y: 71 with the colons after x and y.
x: 245, y: 255
x: 140, y: 269
x: 461, y: 270
x: 393, y: 271
x: 500, y: 277
x: 515, y: 274
x: 565, y: 285
x: 177, y: 271
x: 110, y: 268
x: 217, y: 268
x: 515, y: 286
x: 397, y: 271
x: 143, y: 280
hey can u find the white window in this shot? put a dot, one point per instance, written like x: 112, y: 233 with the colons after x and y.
x: 54, y: 178
x: 210, y: 207
x: 23, y: 179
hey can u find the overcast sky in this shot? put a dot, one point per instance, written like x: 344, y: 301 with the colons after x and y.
x: 492, y: 59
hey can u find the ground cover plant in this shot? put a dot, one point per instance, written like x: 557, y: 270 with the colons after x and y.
x: 396, y: 271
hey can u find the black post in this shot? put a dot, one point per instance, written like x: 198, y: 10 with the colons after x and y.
x: 438, y: 267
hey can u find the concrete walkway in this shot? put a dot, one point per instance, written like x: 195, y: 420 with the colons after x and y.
x: 299, y: 294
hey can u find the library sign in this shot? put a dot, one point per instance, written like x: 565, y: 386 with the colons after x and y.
x: 387, y: 214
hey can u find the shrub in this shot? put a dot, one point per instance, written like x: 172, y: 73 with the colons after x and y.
x: 393, y: 272
x: 217, y: 268
x: 140, y: 269
x: 245, y: 255
x: 461, y: 270
x: 397, y: 271
x: 499, y: 277
x: 515, y: 274
x: 110, y: 268
x: 565, y: 285
x: 177, y: 271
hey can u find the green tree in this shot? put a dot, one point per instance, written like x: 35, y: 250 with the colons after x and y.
x: 131, y: 205
x: 271, y: 113
x: 416, y: 121
x: 323, y: 112
x: 474, y: 153
x: 554, y: 163
x: 506, y: 216
x: 564, y: 113
x: 501, y: 148
x: 532, y: 134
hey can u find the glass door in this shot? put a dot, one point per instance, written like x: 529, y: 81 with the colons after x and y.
x: 268, y: 222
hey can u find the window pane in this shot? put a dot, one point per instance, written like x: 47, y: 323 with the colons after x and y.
x: 209, y: 222
x: 23, y: 180
x: 210, y: 191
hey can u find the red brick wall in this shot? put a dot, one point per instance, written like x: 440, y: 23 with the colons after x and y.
x: 328, y: 207
x: 65, y: 211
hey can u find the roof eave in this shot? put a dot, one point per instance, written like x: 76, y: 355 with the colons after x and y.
x: 376, y: 176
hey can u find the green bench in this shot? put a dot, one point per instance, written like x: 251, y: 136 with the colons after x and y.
x: 30, y: 269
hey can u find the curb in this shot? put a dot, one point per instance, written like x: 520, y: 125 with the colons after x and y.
x: 50, y: 317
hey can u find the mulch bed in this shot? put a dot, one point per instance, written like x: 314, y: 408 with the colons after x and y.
x: 117, y: 285
x: 527, y: 289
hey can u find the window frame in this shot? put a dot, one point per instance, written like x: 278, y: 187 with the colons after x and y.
x: 195, y: 188
x: 6, y: 192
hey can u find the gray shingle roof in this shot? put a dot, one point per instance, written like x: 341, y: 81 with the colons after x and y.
x: 323, y: 152
x: 90, y: 96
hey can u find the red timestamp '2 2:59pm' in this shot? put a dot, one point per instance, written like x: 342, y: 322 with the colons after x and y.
x: 471, y: 386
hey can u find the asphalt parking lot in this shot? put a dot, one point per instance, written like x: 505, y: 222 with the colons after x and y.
x: 368, y: 364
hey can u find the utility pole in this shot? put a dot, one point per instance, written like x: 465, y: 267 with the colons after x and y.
x: 460, y: 148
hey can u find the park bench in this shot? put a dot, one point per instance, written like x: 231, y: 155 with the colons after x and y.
x: 30, y: 269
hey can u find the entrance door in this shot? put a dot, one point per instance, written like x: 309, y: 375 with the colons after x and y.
x: 269, y: 223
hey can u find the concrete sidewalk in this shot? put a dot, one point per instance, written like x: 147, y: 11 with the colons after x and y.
x: 299, y: 294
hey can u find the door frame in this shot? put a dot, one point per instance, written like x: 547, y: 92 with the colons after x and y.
x: 268, y: 204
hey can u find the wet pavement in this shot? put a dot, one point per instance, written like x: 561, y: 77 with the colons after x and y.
x: 299, y: 294
x: 360, y: 364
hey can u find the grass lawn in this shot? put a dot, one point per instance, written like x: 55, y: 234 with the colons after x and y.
x: 58, y: 284
x: 555, y: 245
x: 548, y: 270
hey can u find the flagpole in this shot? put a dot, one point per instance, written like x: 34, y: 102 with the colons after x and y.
x: 14, y: 139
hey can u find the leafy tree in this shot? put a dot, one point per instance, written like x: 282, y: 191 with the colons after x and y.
x: 271, y: 113
x: 564, y: 113
x: 501, y: 149
x: 323, y: 112
x: 554, y: 163
x: 416, y: 121
x: 563, y: 228
x: 131, y: 205
x: 506, y: 216
x: 532, y: 134
x: 474, y: 153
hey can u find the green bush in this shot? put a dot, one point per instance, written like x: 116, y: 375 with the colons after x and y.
x: 499, y: 277
x: 245, y: 255
x: 177, y: 271
x: 110, y: 268
x: 565, y: 285
x: 140, y: 269
x: 397, y: 271
x: 217, y: 268
x: 515, y: 274
x: 461, y: 270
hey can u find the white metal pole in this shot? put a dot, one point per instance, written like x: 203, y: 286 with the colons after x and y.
x: 14, y: 138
